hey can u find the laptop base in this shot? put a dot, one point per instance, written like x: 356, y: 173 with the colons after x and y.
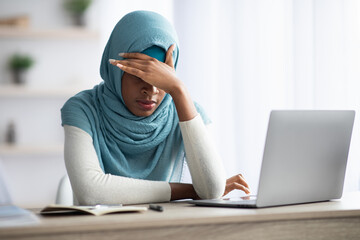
x: 225, y: 203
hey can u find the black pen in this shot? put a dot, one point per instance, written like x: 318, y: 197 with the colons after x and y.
x: 157, y: 208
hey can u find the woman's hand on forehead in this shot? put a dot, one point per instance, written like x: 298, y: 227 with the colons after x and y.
x: 159, y: 74
x: 162, y: 76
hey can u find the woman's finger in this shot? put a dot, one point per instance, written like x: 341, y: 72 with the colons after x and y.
x: 169, y: 56
x: 142, y: 65
x: 136, y: 56
x: 236, y: 186
x: 133, y: 71
x: 115, y: 62
x: 243, y: 181
x: 240, y: 187
x: 238, y: 178
x: 134, y: 63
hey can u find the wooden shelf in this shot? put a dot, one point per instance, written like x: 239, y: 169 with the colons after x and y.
x: 13, y: 91
x: 7, y: 150
x: 67, y: 33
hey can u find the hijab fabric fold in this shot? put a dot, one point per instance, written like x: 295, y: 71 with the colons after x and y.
x: 127, y: 145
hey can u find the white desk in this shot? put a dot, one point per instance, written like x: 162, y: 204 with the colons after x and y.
x: 327, y: 220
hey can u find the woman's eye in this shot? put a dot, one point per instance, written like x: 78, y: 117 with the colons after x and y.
x: 137, y: 80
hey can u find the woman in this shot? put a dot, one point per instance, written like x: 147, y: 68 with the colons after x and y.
x: 126, y: 139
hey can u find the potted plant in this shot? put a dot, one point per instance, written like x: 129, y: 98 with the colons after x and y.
x: 18, y: 65
x: 77, y: 9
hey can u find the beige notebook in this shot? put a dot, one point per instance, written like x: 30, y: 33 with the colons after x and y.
x: 96, y: 210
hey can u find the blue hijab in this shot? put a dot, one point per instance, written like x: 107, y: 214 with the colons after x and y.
x: 127, y: 145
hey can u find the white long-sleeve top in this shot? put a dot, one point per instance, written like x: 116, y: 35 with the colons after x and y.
x: 92, y: 186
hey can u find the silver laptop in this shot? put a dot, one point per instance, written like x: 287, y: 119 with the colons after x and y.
x: 304, y: 159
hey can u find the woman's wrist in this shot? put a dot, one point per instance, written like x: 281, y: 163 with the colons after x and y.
x: 183, y: 102
x: 182, y: 191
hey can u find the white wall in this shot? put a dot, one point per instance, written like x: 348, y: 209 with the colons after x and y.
x: 63, y: 62
x: 241, y: 59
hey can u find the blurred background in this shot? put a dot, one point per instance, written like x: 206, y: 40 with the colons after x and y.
x: 239, y: 58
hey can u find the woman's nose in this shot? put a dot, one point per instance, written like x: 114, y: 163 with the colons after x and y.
x: 150, y: 90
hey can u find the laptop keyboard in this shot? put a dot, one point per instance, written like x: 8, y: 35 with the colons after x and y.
x: 243, y: 202
x: 246, y: 201
x: 242, y: 199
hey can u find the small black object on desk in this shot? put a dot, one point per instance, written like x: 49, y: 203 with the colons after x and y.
x: 157, y: 208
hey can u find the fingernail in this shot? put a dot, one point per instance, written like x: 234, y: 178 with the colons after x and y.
x: 121, y: 54
x: 112, y: 61
x: 119, y: 65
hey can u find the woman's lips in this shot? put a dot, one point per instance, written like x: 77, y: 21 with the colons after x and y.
x: 146, y: 105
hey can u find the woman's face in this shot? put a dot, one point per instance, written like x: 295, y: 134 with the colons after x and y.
x: 141, y: 98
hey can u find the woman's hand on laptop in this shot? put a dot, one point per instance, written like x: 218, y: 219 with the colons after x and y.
x: 236, y: 182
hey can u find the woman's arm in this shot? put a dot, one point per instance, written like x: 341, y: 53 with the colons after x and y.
x: 91, y: 186
x: 236, y: 182
x: 205, y: 165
